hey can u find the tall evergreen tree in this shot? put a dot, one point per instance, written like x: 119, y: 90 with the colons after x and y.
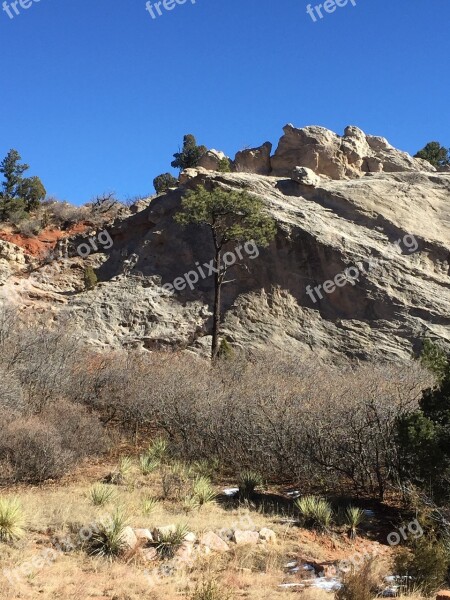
x: 230, y: 216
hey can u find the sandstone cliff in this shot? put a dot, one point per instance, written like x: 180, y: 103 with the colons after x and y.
x: 393, y: 224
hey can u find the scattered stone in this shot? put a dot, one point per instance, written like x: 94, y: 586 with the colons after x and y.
x: 267, y: 535
x: 190, y: 537
x: 212, y: 541
x: 443, y: 595
x: 129, y: 539
x: 143, y: 534
x: 163, y: 531
x: 242, y: 538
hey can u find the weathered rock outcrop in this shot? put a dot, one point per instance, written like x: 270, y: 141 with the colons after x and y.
x: 340, y: 157
x: 211, y: 160
x: 392, y: 227
x: 254, y: 160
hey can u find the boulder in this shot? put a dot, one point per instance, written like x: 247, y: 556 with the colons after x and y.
x: 242, y: 538
x: 129, y: 539
x: 212, y: 541
x: 254, y: 160
x: 190, y: 537
x: 305, y: 176
x: 211, y: 159
x: 165, y: 530
x: 267, y: 535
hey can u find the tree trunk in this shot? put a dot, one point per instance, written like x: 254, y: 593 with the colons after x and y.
x: 216, y: 313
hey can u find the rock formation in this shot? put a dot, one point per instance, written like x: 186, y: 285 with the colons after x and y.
x: 392, y: 225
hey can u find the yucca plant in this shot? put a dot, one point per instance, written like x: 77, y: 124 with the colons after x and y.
x: 316, y: 513
x: 206, y: 468
x: 149, y: 505
x: 203, y: 491
x: 125, y: 465
x: 190, y: 503
x: 248, y: 482
x: 11, y: 520
x: 100, y: 494
x: 108, y: 540
x: 148, y: 464
x: 354, y: 517
x: 170, y: 541
x: 158, y: 449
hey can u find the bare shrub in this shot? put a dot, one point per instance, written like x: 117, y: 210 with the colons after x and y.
x: 35, y: 452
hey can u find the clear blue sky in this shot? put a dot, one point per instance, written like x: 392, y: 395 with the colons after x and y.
x: 96, y: 95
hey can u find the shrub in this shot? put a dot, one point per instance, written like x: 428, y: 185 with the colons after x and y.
x: 224, y: 165
x: 209, y: 590
x: 108, y: 540
x: 248, y: 482
x: 164, y: 182
x: 100, y: 494
x: 175, y: 481
x: 316, y: 513
x: 90, y: 278
x: 36, y: 452
x: 11, y: 520
x: 358, y: 585
x: 426, y: 562
x: 29, y: 227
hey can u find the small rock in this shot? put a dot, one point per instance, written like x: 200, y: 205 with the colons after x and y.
x: 190, y: 537
x: 443, y: 595
x: 143, y: 534
x: 185, y: 552
x: 305, y: 176
x: 267, y: 535
x: 165, y: 530
x: 129, y: 539
x: 245, y: 537
x: 213, y: 542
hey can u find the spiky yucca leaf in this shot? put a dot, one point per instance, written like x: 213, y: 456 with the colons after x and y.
x: 316, y: 512
x: 148, y: 463
x: 170, y: 541
x: 354, y: 517
x: 203, y: 491
x: 108, y: 540
x: 248, y: 482
x: 100, y: 494
x: 11, y: 520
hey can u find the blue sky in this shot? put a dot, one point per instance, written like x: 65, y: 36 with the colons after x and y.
x: 96, y: 95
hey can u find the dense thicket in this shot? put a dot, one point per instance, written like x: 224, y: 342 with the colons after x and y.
x: 305, y: 423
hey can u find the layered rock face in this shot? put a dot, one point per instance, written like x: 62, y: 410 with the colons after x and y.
x: 392, y: 227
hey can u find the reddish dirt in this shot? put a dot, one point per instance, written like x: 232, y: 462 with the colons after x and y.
x: 44, y: 241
